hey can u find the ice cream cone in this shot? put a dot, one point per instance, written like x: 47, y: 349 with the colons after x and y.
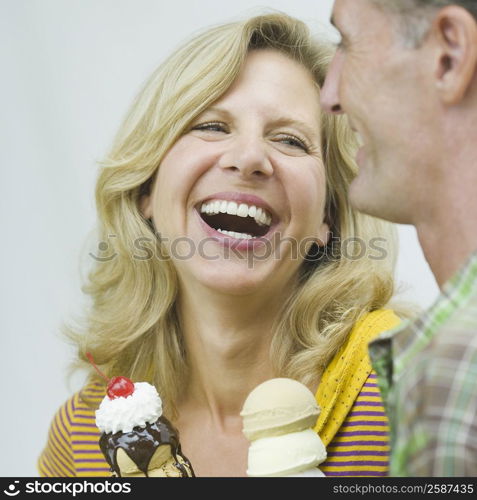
x: 162, y: 464
x: 278, y: 420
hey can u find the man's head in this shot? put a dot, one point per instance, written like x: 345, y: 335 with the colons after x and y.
x: 413, y: 18
x: 405, y: 72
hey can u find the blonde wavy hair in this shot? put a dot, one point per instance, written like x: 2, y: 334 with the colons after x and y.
x: 132, y: 327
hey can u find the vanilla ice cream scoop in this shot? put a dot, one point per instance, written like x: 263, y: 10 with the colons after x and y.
x: 278, y: 406
x: 278, y: 420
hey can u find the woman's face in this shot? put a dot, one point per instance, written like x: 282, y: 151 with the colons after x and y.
x: 240, y: 197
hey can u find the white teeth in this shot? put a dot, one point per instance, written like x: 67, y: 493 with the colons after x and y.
x: 233, y: 234
x: 214, y: 207
x: 242, y: 210
x: 262, y: 218
x: 232, y: 208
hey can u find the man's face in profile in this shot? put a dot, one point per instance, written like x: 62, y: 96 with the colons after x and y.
x: 377, y: 79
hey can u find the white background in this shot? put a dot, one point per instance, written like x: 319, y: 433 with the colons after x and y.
x: 69, y: 71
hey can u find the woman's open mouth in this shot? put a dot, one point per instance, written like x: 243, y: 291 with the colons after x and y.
x: 236, y: 219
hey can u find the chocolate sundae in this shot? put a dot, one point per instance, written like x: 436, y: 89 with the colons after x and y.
x: 137, y: 440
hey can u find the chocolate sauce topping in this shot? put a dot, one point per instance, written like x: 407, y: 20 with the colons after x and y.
x: 141, y: 443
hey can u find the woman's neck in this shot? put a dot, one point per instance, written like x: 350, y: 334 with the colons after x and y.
x: 228, y: 345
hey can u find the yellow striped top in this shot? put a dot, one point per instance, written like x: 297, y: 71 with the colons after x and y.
x: 352, y: 423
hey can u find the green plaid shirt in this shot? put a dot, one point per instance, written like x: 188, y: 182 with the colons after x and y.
x: 427, y: 371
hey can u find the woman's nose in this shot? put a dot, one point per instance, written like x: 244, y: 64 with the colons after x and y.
x: 248, y: 156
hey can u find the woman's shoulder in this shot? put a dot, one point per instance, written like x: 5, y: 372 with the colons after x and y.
x: 355, y: 348
x: 83, y: 403
x: 371, y: 324
x: 91, y: 395
x: 72, y: 429
x: 81, y: 409
x: 81, y: 406
x: 346, y: 374
x: 353, y: 354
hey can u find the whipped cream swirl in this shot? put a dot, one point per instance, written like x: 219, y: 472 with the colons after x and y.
x: 143, y: 406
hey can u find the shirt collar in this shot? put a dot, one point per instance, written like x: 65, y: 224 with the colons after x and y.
x: 464, y: 281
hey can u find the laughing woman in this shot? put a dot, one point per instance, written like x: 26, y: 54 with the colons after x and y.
x: 237, y: 256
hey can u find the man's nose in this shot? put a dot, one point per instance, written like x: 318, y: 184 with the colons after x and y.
x: 249, y: 157
x: 329, y: 96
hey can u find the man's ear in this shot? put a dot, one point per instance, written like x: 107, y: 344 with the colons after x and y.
x: 455, y: 31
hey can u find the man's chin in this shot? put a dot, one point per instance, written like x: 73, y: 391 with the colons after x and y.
x: 361, y: 196
x: 370, y: 199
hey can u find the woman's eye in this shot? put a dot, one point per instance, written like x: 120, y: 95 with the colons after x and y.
x: 294, y: 142
x: 211, y: 126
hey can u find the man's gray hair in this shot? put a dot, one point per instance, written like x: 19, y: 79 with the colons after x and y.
x: 416, y: 15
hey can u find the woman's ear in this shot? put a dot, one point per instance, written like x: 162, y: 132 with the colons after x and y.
x: 323, y: 234
x: 145, y: 199
x: 455, y: 34
x: 145, y: 206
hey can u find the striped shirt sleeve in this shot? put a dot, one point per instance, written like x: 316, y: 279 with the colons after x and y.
x: 88, y: 458
x: 72, y: 448
x: 56, y: 460
x: 361, y: 446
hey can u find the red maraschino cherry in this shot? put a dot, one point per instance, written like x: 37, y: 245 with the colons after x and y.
x: 118, y: 387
